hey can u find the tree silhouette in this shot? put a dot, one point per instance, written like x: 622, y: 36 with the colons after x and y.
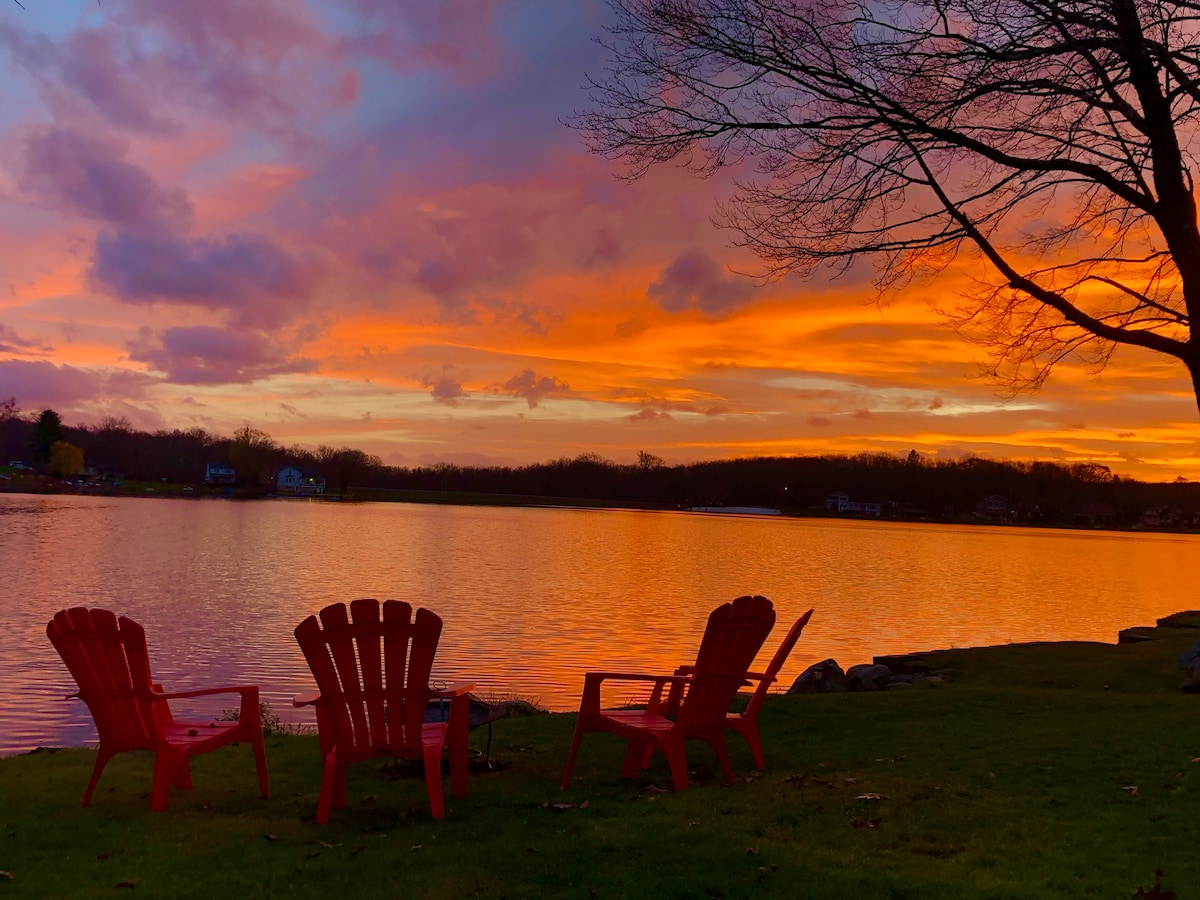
x: 47, y: 431
x: 1052, y: 139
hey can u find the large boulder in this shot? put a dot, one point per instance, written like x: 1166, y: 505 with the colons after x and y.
x: 1189, y: 656
x: 868, y: 677
x: 824, y: 677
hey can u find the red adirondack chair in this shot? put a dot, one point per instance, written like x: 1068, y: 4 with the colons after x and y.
x: 745, y: 723
x: 372, y: 675
x: 107, y: 657
x: 732, y: 638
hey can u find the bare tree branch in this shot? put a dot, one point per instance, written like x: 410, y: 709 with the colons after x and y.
x: 1052, y: 138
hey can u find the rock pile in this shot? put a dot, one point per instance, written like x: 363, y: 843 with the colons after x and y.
x: 827, y: 677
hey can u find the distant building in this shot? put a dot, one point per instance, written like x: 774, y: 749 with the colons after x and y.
x: 219, y: 473
x: 292, y: 480
x: 842, y: 504
x: 993, y: 507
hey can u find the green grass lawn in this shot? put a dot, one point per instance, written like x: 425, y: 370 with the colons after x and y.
x: 1063, y: 770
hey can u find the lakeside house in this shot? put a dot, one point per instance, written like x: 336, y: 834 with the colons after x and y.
x: 842, y: 503
x: 220, y: 473
x: 293, y: 480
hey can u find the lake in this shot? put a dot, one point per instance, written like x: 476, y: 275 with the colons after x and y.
x: 533, y: 597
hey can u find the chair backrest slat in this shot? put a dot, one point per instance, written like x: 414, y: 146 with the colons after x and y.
x: 777, y: 661
x: 734, y: 635
x: 372, y: 670
x: 109, y: 661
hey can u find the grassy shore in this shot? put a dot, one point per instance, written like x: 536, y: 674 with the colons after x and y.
x: 1056, y: 770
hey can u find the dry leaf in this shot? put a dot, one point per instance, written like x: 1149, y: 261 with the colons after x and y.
x: 561, y: 806
x: 1131, y: 790
x: 417, y: 846
x: 871, y: 795
x: 327, y: 845
x: 865, y: 823
x: 270, y: 837
x: 5, y: 876
x: 852, y: 780
x: 655, y: 789
x: 585, y: 804
x: 751, y: 851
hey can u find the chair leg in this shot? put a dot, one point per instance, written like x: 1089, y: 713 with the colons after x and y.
x: 332, y: 774
x: 260, y: 762
x: 579, y: 731
x: 677, y: 759
x: 102, y: 758
x: 638, y: 753
x: 183, y: 775
x: 433, y: 780
x: 457, y: 740
x: 717, y: 741
x: 167, y: 761
x: 749, y: 731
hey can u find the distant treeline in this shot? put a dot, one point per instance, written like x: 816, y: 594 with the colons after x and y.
x: 906, y: 487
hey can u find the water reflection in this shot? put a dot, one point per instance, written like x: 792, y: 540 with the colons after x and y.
x: 533, y: 598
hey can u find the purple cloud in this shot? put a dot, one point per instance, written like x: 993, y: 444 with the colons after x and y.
x: 67, y: 169
x: 91, y: 69
x: 258, y: 282
x: 202, y: 354
x: 445, y: 388
x: 414, y: 35
x: 648, y: 415
x: 532, y: 388
x: 11, y: 342
x: 696, y: 281
x: 38, y: 384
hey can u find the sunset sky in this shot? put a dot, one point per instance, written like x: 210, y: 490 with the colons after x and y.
x: 363, y: 223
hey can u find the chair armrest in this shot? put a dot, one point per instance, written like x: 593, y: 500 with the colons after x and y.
x: 244, y: 690
x: 593, y: 680
x: 457, y: 689
x: 306, y: 699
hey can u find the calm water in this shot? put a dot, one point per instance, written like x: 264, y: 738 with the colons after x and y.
x: 533, y: 598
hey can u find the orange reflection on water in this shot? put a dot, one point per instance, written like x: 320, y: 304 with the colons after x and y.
x: 534, y: 598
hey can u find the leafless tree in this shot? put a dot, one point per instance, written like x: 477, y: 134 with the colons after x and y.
x: 1054, y: 139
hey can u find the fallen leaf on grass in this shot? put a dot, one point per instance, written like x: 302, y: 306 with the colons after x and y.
x: 417, y: 846
x: 130, y: 883
x: 870, y: 795
x: 585, y: 804
x: 326, y: 845
x: 5, y: 876
x: 693, y: 824
x: 270, y: 837
x: 1131, y: 790
x: 851, y: 780
x: 751, y: 851
x: 865, y: 823
x: 655, y: 789
x: 562, y: 806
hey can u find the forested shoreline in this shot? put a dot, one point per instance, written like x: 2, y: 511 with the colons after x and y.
x: 913, y: 487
